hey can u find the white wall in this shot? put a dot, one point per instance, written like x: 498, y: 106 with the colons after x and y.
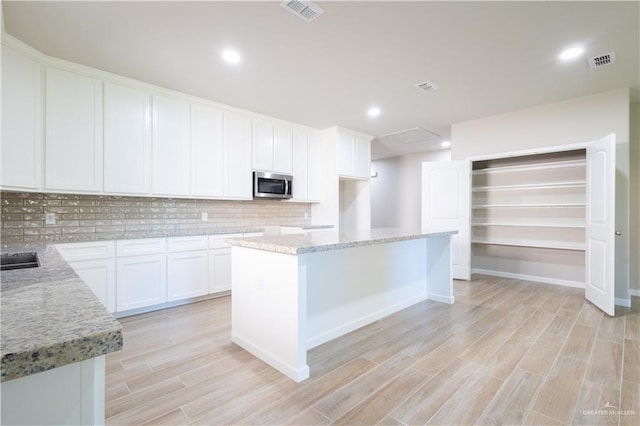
x: 402, y: 207
x: 572, y: 121
x: 384, y: 193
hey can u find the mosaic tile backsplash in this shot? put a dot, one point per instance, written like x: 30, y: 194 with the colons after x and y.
x: 92, y: 217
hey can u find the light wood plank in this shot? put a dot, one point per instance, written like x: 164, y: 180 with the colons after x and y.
x: 559, y: 394
x: 542, y: 354
x: 579, y: 343
x: 605, y: 365
x: 513, y: 401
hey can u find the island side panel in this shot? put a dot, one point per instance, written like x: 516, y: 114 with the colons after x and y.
x: 351, y: 287
x: 268, y: 309
x: 439, y: 269
x: 69, y: 395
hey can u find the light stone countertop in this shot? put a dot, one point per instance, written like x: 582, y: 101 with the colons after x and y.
x: 50, y: 318
x: 312, y: 242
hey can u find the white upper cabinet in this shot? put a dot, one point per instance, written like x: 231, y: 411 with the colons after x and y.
x: 262, y: 145
x: 127, y: 140
x: 354, y: 155
x: 272, y: 147
x: 283, y: 149
x: 207, y: 151
x: 171, y: 146
x: 237, y: 147
x: 300, y: 166
x: 362, y: 158
x: 314, y: 167
x: 307, y: 166
x: 73, y: 132
x: 21, y: 121
x: 345, y: 154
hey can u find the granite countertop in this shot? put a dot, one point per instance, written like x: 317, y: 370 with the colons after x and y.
x: 313, y: 242
x: 50, y: 318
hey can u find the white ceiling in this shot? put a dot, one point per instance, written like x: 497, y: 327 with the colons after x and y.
x: 486, y: 57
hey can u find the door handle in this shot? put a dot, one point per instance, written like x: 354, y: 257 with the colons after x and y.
x: 618, y: 233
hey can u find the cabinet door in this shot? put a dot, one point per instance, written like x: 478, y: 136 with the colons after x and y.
x: 300, y: 166
x: 237, y: 148
x: 171, y: 146
x: 345, y: 154
x: 73, y: 132
x: 187, y: 274
x: 283, y: 150
x: 141, y: 281
x: 262, y: 145
x: 127, y: 140
x: 100, y: 277
x: 362, y: 158
x: 219, y: 270
x: 314, y: 167
x: 21, y: 121
x: 207, y: 151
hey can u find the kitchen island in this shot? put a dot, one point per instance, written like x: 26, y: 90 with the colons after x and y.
x: 294, y: 292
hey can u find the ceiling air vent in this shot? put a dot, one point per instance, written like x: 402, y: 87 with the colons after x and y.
x: 427, y: 86
x: 602, y: 60
x: 303, y: 9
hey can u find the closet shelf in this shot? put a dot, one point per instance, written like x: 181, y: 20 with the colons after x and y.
x: 520, y: 206
x: 537, y: 166
x: 532, y: 224
x: 531, y: 186
x: 558, y: 245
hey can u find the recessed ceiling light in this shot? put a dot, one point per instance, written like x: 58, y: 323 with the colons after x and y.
x: 231, y: 56
x: 445, y: 144
x: 571, y: 53
x: 373, y: 112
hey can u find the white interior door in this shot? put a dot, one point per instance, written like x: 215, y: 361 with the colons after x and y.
x: 600, y: 233
x: 446, y: 199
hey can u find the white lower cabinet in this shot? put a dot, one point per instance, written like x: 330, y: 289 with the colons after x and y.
x: 141, y: 281
x: 219, y: 270
x: 130, y: 275
x: 100, y: 276
x: 220, y: 262
x: 187, y: 268
x: 95, y: 264
x: 141, y: 273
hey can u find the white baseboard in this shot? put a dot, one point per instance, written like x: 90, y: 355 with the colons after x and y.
x: 443, y: 299
x: 623, y: 302
x: 292, y: 372
x: 634, y: 292
x: 545, y: 280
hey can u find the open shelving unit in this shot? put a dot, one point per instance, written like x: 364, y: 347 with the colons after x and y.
x: 528, y: 217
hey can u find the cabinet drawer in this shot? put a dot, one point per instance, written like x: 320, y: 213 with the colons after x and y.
x: 218, y: 241
x: 178, y: 244
x: 141, y: 246
x: 72, y: 252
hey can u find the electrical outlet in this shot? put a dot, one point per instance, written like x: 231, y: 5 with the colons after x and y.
x: 306, y: 215
x: 205, y: 216
x: 50, y: 218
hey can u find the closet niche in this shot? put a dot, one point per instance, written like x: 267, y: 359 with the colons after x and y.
x: 528, y: 217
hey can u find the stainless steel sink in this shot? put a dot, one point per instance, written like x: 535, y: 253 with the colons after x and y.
x: 19, y: 261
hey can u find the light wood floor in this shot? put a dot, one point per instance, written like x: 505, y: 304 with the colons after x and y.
x: 507, y: 352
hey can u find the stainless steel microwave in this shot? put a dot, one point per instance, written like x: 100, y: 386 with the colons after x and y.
x: 272, y: 185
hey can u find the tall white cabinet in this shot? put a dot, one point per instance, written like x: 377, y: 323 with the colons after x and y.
x: 73, y: 144
x: 21, y: 121
x: 127, y: 140
x: 171, y: 146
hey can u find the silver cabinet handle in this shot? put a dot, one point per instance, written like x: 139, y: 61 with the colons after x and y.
x: 618, y: 233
